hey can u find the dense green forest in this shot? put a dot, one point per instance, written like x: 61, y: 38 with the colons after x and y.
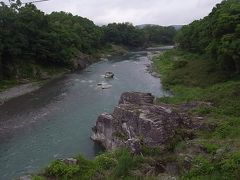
x: 128, y: 35
x: 28, y: 36
x: 152, y: 34
x: 31, y: 39
x: 217, y: 35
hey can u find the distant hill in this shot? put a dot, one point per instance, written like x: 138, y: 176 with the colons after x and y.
x: 144, y: 25
x: 177, y: 27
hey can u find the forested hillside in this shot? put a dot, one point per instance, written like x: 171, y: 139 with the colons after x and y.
x: 217, y: 35
x: 128, y: 35
x: 159, y: 34
x: 31, y: 40
x: 29, y: 37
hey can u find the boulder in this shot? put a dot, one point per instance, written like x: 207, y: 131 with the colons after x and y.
x: 81, y: 61
x: 137, y: 120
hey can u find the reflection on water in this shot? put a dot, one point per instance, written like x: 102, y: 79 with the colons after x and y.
x: 55, y: 121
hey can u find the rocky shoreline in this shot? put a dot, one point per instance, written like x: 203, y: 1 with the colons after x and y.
x: 137, y: 121
x: 79, y: 63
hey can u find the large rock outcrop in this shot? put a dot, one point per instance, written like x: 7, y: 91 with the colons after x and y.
x: 137, y: 120
x: 82, y: 61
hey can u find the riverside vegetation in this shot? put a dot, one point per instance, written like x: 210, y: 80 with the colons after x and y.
x: 202, y: 74
x: 34, y: 44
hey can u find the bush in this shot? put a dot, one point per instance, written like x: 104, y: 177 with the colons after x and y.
x: 179, y: 64
x: 106, y: 161
x: 231, y: 165
x: 201, y: 166
x: 125, y: 163
x: 210, y: 147
x: 60, y: 169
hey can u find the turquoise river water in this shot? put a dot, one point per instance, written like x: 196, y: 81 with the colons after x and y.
x: 55, y: 121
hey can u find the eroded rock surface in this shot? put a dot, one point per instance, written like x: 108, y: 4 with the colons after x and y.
x: 137, y: 120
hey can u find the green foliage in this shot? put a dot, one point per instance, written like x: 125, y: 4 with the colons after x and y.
x: 222, y: 116
x: 202, y: 166
x: 216, y: 35
x: 202, y: 110
x: 227, y: 168
x: 229, y: 128
x: 159, y: 35
x: 109, y: 165
x: 128, y: 35
x: 28, y: 36
x: 182, y: 68
x: 180, y: 146
x: 171, y: 145
x: 124, y: 34
x: 210, y: 147
x: 38, y: 178
x: 106, y: 161
x: 60, y: 169
x: 126, y: 163
x: 231, y: 164
x: 153, y: 151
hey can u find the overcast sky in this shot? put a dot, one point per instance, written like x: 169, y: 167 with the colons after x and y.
x: 162, y: 12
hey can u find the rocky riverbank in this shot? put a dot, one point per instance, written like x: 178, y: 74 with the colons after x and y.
x: 40, y: 76
x: 137, y: 121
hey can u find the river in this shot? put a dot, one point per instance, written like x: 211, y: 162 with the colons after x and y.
x: 55, y: 121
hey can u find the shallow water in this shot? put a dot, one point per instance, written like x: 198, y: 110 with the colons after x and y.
x: 55, y: 121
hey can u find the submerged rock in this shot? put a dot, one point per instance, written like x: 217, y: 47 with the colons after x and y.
x: 137, y: 120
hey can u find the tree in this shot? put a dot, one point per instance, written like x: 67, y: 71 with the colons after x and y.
x: 216, y: 35
x: 123, y: 34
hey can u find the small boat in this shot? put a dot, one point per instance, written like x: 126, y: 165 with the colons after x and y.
x: 104, y: 85
x: 109, y: 75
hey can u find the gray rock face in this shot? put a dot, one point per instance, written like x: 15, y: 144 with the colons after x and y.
x: 82, y: 61
x: 136, y: 119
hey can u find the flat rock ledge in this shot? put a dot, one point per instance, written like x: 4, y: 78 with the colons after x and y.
x: 136, y: 121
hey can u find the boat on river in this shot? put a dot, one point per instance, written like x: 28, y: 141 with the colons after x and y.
x: 104, y: 85
x: 109, y: 75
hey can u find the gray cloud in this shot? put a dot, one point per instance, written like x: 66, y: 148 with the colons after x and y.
x: 163, y: 12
